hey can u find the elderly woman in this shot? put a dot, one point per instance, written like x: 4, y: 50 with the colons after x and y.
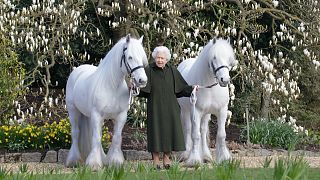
x: 165, y: 85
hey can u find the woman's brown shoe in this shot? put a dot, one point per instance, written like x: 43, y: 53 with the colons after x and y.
x: 166, y: 166
x: 157, y: 167
x: 166, y: 160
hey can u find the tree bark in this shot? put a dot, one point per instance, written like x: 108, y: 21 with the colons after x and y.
x: 264, y: 106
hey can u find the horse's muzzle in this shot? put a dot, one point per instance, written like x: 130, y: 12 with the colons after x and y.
x: 141, y: 82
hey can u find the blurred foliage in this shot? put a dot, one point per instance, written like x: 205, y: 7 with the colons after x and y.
x: 273, y: 133
x: 11, y: 80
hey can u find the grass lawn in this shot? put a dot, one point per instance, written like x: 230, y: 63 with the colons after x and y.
x: 203, y: 173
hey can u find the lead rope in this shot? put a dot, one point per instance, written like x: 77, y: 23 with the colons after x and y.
x: 133, y: 91
x: 193, y: 101
x: 193, y: 98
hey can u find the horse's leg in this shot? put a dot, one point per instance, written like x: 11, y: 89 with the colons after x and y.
x: 222, y: 152
x: 94, y: 160
x: 195, y: 157
x: 186, y: 122
x: 74, y: 156
x: 115, y: 155
x: 206, y: 154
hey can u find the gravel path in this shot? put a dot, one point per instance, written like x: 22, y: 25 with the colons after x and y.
x: 249, y: 158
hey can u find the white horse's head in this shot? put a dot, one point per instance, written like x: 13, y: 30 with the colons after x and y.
x: 221, y: 60
x: 134, y: 59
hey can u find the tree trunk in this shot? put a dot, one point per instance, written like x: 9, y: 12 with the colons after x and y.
x: 264, y: 106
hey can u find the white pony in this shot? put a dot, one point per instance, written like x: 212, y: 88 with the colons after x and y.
x: 211, y: 72
x: 97, y: 93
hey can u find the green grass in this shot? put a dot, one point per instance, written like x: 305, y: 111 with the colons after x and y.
x: 293, y: 168
x: 242, y: 173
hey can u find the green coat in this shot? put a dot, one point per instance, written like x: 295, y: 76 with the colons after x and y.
x: 164, y: 129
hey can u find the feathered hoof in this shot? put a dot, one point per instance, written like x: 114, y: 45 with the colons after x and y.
x: 191, y: 162
x: 114, y: 162
x: 207, y: 159
x: 184, y: 156
x: 223, y: 157
x: 94, y: 166
x: 73, y: 162
x: 114, y: 158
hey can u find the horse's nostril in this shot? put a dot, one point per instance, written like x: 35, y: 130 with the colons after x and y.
x: 221, y: 79
x: 141, y: 81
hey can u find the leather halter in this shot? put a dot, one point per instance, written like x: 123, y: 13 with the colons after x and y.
x: 125, y: 62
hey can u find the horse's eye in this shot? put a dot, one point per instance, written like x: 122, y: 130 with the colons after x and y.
x: 130, y: 57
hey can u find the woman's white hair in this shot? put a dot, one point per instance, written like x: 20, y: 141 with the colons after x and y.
x: 162, y: 49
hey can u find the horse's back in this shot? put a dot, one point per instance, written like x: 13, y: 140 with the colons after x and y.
x: 185, y: 66
x: 80, y: 72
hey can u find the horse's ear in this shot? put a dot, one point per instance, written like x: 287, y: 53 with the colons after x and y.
x: 128, y: 38
x: 214, y: 40
x: 228, y: 40
x: 141, y: 39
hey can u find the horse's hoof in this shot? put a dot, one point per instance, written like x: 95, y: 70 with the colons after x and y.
x: 71, y: 163
x: 193, y: 162
x: 207, y: 159
x: 223, y: 158
x: 95, y: 166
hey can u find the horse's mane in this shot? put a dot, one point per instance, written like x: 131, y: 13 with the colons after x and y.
x: 219, y: 48
x: 110, y: 64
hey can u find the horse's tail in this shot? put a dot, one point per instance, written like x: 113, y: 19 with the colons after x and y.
x: 84, y: 137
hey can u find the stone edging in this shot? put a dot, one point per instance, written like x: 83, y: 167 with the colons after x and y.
x: 61, y: 155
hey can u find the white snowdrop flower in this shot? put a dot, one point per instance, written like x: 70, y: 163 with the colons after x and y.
x: 292, y: 120
x: 271, y: 77
x: 306, y: 132
x: 229, y: 115
x: 191, y: 44
x: 216, y: 32
x: 293, y: 48
x: 18, y: 111
x: 11, y: 122
x: 174, y: 56
x: 280, y: 54
x: 50, y: 101
x: 188, y: 35
x: 234, y: 31
x: 147, y: 26
x: 300, y: 128
x: 20, y: 121
x: 196, y: 32
x: 247, y: 1
x: 306, y: 52
x: 275, y: 3
x: 185, y: 51
x: 231, y: 86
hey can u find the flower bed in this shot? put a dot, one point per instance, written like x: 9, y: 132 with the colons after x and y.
x: 56, y: 135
